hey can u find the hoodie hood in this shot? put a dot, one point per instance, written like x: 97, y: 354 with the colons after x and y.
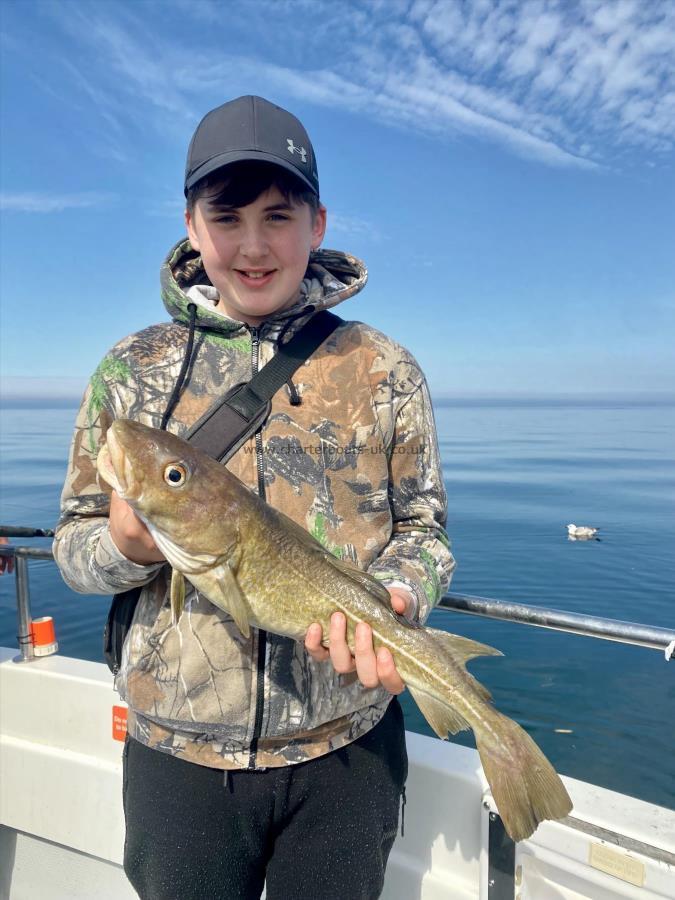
x: 331, y: 277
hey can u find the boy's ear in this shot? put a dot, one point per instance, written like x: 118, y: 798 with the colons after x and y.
x: 192, y: 234
x: 319, y: 227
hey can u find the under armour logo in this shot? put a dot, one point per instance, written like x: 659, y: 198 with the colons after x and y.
x: 293, y: 149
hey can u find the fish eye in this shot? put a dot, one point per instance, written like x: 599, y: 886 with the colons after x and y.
x: 175, y: 475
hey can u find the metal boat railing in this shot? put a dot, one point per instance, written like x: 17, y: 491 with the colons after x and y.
x: 560, y: 620
x: 20, y: 556
x: 650, y: 636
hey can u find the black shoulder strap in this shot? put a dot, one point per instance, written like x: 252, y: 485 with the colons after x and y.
x: 232, y: 419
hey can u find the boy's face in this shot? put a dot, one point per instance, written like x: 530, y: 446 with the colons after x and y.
x: 255, y: 256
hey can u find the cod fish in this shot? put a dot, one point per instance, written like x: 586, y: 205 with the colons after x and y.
x: 265, y: 570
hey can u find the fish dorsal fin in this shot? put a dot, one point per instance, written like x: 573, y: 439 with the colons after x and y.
x: 442, y: 718
x: 462, y: 649
x: 309, y: 543
x: 177, y: 595
x: 363, y: 579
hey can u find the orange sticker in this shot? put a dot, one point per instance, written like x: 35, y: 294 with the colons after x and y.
x: 119, y: 723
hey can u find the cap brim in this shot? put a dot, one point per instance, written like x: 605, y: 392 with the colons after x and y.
x: 226, y: 159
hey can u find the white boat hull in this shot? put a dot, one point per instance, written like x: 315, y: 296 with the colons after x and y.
x: 62, y: 828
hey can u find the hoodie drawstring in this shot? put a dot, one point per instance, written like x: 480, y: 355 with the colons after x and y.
x: 187, y: 356
x: 296, y: 399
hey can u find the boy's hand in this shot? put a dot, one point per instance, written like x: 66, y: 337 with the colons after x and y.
x: 130, y: 535
x: 372, y: 669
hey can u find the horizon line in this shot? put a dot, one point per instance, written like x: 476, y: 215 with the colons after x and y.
x: 660, y: 397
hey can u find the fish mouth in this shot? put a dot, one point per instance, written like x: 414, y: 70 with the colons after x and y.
x: 115, y: 468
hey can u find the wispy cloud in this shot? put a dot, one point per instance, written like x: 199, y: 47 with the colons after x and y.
x: 170, y: 209
x: 35, y: 202
x: 604, y: 69
x: 118, y: 74
x: 353, y: 226
x: 140, y: 63
x: 569, y: 84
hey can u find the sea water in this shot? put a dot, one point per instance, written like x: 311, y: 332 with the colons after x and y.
x: 517, y: 472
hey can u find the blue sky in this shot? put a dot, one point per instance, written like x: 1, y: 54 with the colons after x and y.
x: 504, y: 169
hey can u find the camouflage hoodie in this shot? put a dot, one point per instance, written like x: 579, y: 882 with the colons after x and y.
x: 355, y: 463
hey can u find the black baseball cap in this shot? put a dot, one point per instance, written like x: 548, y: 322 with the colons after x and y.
x: 251, y: 128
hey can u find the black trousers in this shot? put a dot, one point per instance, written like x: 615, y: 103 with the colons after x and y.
x: 319, y: 830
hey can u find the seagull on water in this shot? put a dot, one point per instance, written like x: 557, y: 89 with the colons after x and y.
x: 581, y: 531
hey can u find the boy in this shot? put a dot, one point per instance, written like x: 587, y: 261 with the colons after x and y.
x: 262, y: 760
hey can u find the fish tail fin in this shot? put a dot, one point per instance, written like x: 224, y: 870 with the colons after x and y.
x: 524, y: 784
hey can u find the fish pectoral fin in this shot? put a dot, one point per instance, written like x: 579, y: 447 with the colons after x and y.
x: 234, y: 599
x: 220, y: 586
x: 442, y: 718
x: 177, y: 595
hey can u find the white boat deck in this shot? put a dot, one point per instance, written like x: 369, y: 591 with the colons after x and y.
x: 62, y: 829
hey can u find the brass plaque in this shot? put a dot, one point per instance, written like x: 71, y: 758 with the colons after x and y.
x: 617, y: 863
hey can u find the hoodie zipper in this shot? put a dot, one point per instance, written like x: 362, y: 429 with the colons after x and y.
x: 262, y: 635
x: 255, y: 365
